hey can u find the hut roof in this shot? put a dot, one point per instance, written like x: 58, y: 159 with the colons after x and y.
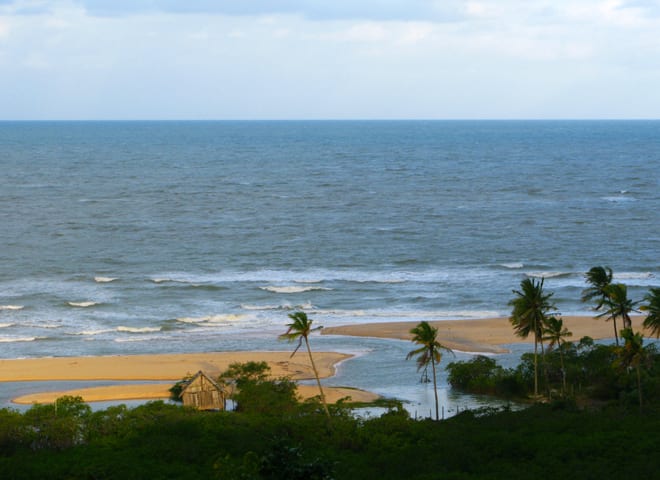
x: 202, y: 376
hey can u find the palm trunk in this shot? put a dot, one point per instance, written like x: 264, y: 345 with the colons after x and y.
x: 627, y: 323
x: 639, y: 388
x: 536, y: 366
x: 563, y: 372
x: 318, y: 380
x: 616, y: 334
x: 545, y: 369
x: 435, y: 390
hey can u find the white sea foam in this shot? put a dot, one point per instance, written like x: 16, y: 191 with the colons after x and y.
x: 82, y: 304
x: 95, y: 332
x: 5, y: 325
x: 104, y: 279
x: 512, y: 265
x: 633, y: 275
x: 11, y: 307
x: 138, y: 329
x: 214, y: 319
x: 547, y: 274
x: 396, y: 315
x: 284, y: 306
x: 17, y: 339
x: 619, y: 198
x: 292, y: 289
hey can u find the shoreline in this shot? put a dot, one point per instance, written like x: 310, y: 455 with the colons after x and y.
x: 164, y: 367
x: 489, y: 335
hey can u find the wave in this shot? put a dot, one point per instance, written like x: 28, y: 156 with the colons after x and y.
x: 215, y: 319
x: 619, y: 198
x: 396, y: 315
x: 286, y: 306
x: 5, y: 325
x: 633, y: 276
x: 82, y: 304
x: 293, y: 289
x: 513, y: 265
x: 104, y: 279
x: 11, y: 307
x: 95, y: 332
x: 138, y: 329
x: 18, y: 339
x: 548, y: 274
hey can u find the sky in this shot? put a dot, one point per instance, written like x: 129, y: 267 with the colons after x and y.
x: 329, y: 59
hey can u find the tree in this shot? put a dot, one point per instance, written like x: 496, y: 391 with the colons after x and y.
x: 555, y: 333
x: 300, y: 329
x: 599, y: 278
x: 633, y: 355
x: 618, y: 305
x: 429, y: 352
x: 652, y: 320
x: 530, y: 307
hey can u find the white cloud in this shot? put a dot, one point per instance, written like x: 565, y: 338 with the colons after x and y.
x: 494, y: 59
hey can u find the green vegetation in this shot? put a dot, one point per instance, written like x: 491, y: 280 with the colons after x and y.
x: 300, y: 329
x: 428, y: 353
x: 529, y: 315
x: 161, y: 441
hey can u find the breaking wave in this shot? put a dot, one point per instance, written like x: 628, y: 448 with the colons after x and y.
x: 293, y: 289
x: 138, y: 329
x: 82, y: 304
x: 11, y: 307
x: 104, y: 279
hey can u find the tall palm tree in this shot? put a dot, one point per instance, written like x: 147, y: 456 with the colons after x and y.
x: 555, y: 333
x: 618, y: 305
x: 429, y: 352
x: 299, y: 330
x: 652, y: 320
x: 530, y: 307
x: 599, y: 278
x: 633, y: 356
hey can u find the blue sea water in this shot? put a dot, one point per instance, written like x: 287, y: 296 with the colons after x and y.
x: 140, y: 237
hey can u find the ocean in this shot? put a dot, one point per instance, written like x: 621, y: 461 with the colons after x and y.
x: 148, y: 237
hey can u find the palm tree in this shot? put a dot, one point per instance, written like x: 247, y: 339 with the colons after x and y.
x: 429, y: 352
x: 599, y: 278
x: 618, y: 305
x: 652, y: 320
x: 633, y: 355
x: 299, y: 330
x: 530, y: 307
x: 555, y: 333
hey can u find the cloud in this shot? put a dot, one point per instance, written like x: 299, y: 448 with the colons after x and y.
x: 420, y: 10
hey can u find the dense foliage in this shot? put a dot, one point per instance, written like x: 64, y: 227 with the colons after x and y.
x: 159, y: 440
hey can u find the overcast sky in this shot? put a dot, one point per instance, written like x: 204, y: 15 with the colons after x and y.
x: 336, y: 59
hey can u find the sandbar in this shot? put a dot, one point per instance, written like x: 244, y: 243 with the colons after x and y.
x: 487, y: 335
x: 166, y: 368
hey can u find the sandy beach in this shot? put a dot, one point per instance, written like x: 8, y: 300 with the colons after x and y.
x: 481, y: 335
x: 166, y: 368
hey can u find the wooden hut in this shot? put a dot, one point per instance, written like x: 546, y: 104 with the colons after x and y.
x: 203, y: 393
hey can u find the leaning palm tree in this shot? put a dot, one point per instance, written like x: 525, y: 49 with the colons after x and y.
x: 299, y: 330
x: 555, y: 333
x: 599, y: 278
x: 618, y: 305
x: 530, y: 307
x: 429, y: 352
x: 652, y: 320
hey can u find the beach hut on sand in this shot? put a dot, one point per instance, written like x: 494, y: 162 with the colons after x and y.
x: 203, y: 393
